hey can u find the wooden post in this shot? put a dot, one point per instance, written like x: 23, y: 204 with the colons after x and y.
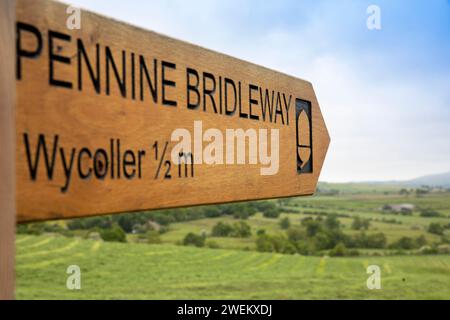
x: 7, y: 149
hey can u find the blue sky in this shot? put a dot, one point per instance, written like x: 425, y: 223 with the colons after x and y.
x: 385, y: 94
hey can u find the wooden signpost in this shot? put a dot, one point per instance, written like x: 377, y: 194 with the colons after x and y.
x: 112, y: 118
x: 7, y: 150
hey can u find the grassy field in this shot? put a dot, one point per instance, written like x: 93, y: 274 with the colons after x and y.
x: 236, y: 270
x: 142, y: 271
x: 410, y: 227
x: 356, y: 202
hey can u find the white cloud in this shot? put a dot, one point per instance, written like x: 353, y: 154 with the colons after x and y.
x: 385, y: 123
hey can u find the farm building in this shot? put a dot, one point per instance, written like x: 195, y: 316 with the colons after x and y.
x: 405, y: 207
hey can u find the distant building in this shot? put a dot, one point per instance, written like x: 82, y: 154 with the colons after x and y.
x: 405, y: 207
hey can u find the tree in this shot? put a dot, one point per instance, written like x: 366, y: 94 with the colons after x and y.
x: 405, y: 243
x: 421, y: 241
x: 192, y: 239
x: 328, y: 239
x: 429, y: 213
x: 212, y: 212
x: 222, y: 230
x: 262, y: 206
x: 242, y: 230
x: 376, y: 241
x: 305, y: 247
x: 296, y: 234
x: 289, y: 248
x: 260, y: 232
x: 115, y: 234
x: 104, y: 222
x: 126, y: 222
x: 332, y: 222
x: 274, y: 243
x: 239, y: 229
x: 436, y: 228
x: 312, y: 227
x: 359, y: 223
x: 285, y: 223
x: 272, y: 212
x: 420, y: 192
x: 264, y: 243
x: 164, y: 219
x: 373, y: 241
x: 239, y: 210
x: 339, y: 250
x: 404, y: 192
x: 366, y: 224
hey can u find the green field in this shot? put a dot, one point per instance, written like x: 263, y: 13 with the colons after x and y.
x: 392, y: 231
x: 141, y: 271
x: 362, y: 202
x: 236, y: 270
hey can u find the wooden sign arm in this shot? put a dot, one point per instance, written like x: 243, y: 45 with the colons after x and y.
x: 7, y: 149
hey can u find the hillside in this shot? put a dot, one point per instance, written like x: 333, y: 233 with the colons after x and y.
x: 435, y: 180
x: 432, y: 180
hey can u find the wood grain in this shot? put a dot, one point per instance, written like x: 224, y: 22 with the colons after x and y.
x: 86, y: 118
x: 7, y: 147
